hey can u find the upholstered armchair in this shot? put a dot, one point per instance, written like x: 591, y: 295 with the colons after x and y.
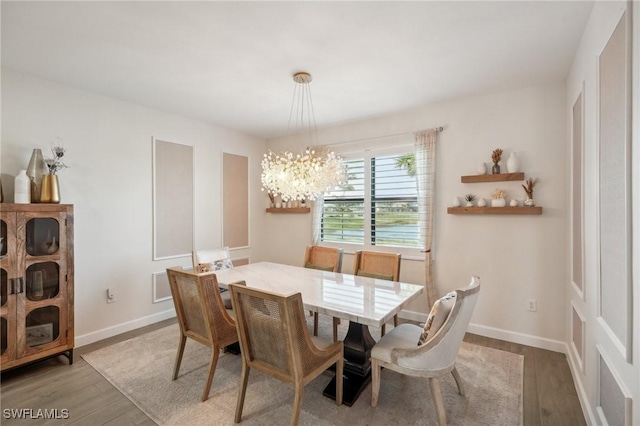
x: 428, y: 351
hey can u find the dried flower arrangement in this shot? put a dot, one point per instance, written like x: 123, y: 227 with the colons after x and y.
x: 272, y: 197
x: 496, y: 155
x: 469, y: 198
x: 530, y: 184
x: 55, y: 163
x: 498, y: 193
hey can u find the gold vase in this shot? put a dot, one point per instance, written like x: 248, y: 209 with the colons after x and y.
x: 50, y: 190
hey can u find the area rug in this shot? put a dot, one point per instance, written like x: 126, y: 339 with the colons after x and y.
x: 141, y: 369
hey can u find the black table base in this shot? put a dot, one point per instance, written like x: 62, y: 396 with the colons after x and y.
x: 357, y: 365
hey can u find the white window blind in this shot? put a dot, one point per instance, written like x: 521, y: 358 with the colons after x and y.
x: 378, y: 204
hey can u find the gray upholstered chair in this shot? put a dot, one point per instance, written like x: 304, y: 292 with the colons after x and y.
x: 383, y: 266
x: 275, y: 339
x: 201, y: 316
x: 210, y: 260
x: 325, y: 259
x: 428, y: 351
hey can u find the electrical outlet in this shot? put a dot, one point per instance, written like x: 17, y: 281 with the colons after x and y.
x: 111, y: 295
x: 532, y: 305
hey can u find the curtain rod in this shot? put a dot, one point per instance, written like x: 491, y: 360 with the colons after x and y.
x: 437, y: 129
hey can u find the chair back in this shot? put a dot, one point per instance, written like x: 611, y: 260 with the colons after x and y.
x: 210, y: 260
x: 323, y: 258
x: 274, y: 336
x: 441, y: 350
x: 377, y: 264
x: 199, y: 308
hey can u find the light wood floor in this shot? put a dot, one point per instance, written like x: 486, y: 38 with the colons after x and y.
x: 549, y: 393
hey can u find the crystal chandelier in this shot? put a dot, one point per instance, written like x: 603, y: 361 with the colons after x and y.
x: 308, y: 174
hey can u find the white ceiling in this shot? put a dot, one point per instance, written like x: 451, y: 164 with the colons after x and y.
x: 230, y: 63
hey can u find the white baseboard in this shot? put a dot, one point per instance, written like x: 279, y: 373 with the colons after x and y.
x: 500, y: 334
x: 105, y: 333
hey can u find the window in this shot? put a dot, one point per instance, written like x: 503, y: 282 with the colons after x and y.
x: 378, y: 206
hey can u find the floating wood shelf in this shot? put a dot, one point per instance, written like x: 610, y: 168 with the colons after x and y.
x: 495, y: 210
x: 289, y: 210
x: 492, y: 178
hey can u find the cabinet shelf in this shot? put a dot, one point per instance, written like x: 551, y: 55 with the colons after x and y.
x: 495, y: 210
x: 500, y: 177
x: 289, y: 210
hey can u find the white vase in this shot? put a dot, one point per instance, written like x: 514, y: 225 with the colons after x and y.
x: 498, y: 202
x: 469, y: 204
x: 513, y: 163
x: 482, y: 203
x: 482, y: 169
x: 513, y: 203
x: 456, y: 202
x: 22, y: 189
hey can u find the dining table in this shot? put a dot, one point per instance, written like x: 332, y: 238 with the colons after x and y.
x: 364, y: 302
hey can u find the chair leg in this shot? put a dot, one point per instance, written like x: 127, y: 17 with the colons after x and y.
x: 383, y: 330
x: 244, y: 378
x: 215, y: 353
x: 315, y: 323
x: 176, y: 366
x: 339, y: 380
x: 336, y: 322
x: 458, y: 380
x: 297, y: 403
x: 375, y: 381
x: 437, y: 400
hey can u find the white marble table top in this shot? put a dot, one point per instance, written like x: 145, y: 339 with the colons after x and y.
x: 363, y: 300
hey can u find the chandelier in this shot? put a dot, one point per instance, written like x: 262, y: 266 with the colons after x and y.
x: 310, y: 173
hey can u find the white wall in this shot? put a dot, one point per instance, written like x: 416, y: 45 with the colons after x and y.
x: 517, y: 257
x: 604, y: 18
x: 109, y: 151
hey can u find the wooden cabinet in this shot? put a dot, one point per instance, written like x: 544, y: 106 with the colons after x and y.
x: 36, y: 278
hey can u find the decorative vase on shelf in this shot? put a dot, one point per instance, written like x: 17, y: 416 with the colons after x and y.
x: 35, y: 170
x: 456, y: 202
x: 278, y: 205
x: 50, y: 191
x: 22, y: 189
x: 482, y: 169
x: 529, y: 202
x: 498, y: 202
x: 482, y: 203
x: 495, y: 169
x: 513, y: 203
x: 513, y: 163
x: 469, y: 204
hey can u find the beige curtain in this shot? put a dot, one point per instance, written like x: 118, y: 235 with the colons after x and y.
x: 316, y: 219
x: 426, y: 174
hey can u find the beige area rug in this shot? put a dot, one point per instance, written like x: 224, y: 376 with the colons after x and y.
x: 141, y: 369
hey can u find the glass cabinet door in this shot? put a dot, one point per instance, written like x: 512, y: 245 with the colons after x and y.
x: 43, y: 236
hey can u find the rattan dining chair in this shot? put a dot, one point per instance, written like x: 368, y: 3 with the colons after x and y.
x: 428, y: 351
x: 325, y: 259
x: 384, y: 266
x: 209, y: 260
x: 275, y: 339
x: 201, y: 316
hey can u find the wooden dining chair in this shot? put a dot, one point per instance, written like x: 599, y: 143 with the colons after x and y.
x: 275, y: 340
x: 428, y: 351
x: 201, y: 316
x: 325, y: 259
x: 209, y: 260
x: 383, y: 266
